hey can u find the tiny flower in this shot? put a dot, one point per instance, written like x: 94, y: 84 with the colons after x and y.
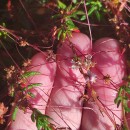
x: 93, y: 78
x: 9, y: 71
x: 74, y: 67
x: 73, y: 61
x: 90, y: 77
x: 93, y: 64
x: 89, y: 57
x: 27, y: 63
x: 23, y: 43
x: 76, y: 63
x: 88, y: 62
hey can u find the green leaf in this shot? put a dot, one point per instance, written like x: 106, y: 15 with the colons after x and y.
x: 32, y: 86
x: 91, y: 10
x: 61, y: 5
x: 88, y: 3
x: 118, y: 99
x: 64, y: 35
x: 3, y: 24
x: 74, y: 1
x: 31, y: 94
x: 125, y: 106
x: 11, y: 91
x: 41, y: 120
x: 29, y: 74
x: 83, y: 17
x: 70, y: 23
x: 80, y: 12
x: 99, y: 4
x: 127, y: 109
x: 95, y: 7
x: 33, y: 117
x: 124, y: 127
x: 127, y: 89
x: 59, y: 34
x: 75, y: 16
x: 98, y: 15
x: 69, y: 8
x: 56, y: 16
x: 120, y: 90
x: 14, y: 113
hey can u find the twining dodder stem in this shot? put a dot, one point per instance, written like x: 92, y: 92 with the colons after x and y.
x: 96, y: 100
x: 99, y: 104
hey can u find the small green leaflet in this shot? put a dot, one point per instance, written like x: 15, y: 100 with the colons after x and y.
x: 125, y: 106
x: 122, y: 97
x: 30, y: 86
x: 83, y: 17
x: 59, y: 34
x: 11, y: 91
x: 98, y: 15
x: 29, y: 74
x: 14, y: 113
x: 96, y: 8
x: 124, y: 128
x: 31, y: 94
x: 119, y: 97
x: 61, y: 5
x: 74, y: 1
x: 40, y: 119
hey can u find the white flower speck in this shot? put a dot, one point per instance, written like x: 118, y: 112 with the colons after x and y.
x: 90, y: 77
x: 75, y: 64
